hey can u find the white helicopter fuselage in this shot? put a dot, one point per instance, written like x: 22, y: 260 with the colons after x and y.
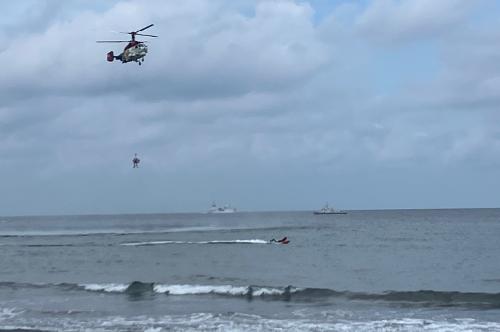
x: 134, y: 52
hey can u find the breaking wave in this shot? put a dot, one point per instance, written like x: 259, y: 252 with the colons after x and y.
x: 287, y: 293
x: 137, y: 287
x: 247, y: 322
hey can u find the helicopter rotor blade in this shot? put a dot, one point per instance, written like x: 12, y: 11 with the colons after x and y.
x: 149, y: 26
x: 140, y: 34
x: 112, y: 41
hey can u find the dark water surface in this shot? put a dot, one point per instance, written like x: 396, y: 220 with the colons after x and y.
x: 398, y: 270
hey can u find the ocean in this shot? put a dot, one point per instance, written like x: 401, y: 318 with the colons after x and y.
x: 385, y: 270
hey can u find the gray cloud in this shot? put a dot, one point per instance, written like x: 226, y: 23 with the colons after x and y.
x: 204, y: 55
x: 393, y: 21
x: 245, y: 102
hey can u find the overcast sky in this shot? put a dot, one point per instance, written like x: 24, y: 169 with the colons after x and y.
x: 264, y: 105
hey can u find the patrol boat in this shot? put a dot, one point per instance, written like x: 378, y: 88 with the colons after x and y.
x: 328, y: 210
x: 224, y: 209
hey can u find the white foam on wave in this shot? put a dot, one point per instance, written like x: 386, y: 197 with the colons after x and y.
x: 8, y: 313
x: 201, y: 289
x: 109, y: 288
x: 263, y: 291
x: 186, y: 289
x: 249, y: 322
x: 222, y: 290
x: 153, y: 243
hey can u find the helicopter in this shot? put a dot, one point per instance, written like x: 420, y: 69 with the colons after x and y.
x: 134, y: 51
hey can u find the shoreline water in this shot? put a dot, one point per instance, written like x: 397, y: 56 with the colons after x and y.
x: 391, y: 270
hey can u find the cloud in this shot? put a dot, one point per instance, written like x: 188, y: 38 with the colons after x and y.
x: 249, y: 92
x: 201, y: 52
x: 394, y: 21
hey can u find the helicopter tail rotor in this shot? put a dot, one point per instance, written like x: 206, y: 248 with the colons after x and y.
x: 111, y: 56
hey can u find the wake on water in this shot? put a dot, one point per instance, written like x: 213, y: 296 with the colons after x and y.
x: 141, y: 244
x: 153, y: 243
x: 96, y: 232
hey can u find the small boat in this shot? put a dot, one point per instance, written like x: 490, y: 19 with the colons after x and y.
x: 328, y: 210
x: 224, y: 209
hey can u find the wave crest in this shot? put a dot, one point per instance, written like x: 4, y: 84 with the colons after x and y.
x: 287, y: 293
x: 185, y: 289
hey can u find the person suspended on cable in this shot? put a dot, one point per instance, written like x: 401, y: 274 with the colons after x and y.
x: 136, y: 161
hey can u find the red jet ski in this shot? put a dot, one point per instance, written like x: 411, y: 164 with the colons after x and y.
x: 282, y: 241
